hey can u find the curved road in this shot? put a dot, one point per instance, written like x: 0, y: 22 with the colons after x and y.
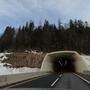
x: 64, y: 81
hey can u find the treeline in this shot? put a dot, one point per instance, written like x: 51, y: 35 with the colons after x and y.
x: 48, y: 37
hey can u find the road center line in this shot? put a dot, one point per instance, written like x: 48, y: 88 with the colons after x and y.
x: 56, y: 81
x: 82, y: 78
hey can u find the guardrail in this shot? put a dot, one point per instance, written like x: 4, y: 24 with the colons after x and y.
x: 14, y: 78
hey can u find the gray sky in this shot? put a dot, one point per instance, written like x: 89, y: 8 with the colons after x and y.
x: 17, y: 12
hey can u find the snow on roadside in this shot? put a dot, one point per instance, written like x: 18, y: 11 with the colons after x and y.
x: 86, y: 58
x: 3, y: 56
x: 25, y: 70
x: 6, y: 70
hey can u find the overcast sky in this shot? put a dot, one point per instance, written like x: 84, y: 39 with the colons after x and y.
x: 17, y: 12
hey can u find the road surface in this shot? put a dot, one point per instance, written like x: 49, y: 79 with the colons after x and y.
x: 62, y: 81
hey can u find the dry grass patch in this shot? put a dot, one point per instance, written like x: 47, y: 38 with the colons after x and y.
x: 31, y: 60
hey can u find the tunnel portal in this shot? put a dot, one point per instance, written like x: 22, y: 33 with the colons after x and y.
x: 64, y: 61
x: 64, y: 64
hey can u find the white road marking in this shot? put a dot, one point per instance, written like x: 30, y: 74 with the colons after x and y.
x: 82, y: 78
x: 56, y: 81
x: 60, y: 75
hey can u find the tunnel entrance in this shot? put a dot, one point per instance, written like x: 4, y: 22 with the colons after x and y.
x: 64, y: 61
x: 64, y: 64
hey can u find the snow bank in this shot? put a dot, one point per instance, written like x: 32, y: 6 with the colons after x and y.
x: 3, y: 56
x: 6, y: 70
x: 86, y: 58
x: 25, y: 70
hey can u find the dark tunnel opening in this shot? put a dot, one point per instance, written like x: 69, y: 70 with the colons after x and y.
x: 64, y: 64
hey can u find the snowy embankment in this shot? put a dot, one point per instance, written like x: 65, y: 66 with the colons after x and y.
x: 6, y: 70
x: 86, y: 58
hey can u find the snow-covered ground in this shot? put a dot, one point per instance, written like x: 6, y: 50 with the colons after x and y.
x: 6, y: 70
x: 86, y: 58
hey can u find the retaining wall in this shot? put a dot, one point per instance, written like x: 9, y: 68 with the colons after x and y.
x: 10, y: 79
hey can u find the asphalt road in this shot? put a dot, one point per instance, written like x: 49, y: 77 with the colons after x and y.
x: 64, y: 81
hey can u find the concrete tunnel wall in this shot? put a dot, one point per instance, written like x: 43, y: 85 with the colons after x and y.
x: 47, y: 65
